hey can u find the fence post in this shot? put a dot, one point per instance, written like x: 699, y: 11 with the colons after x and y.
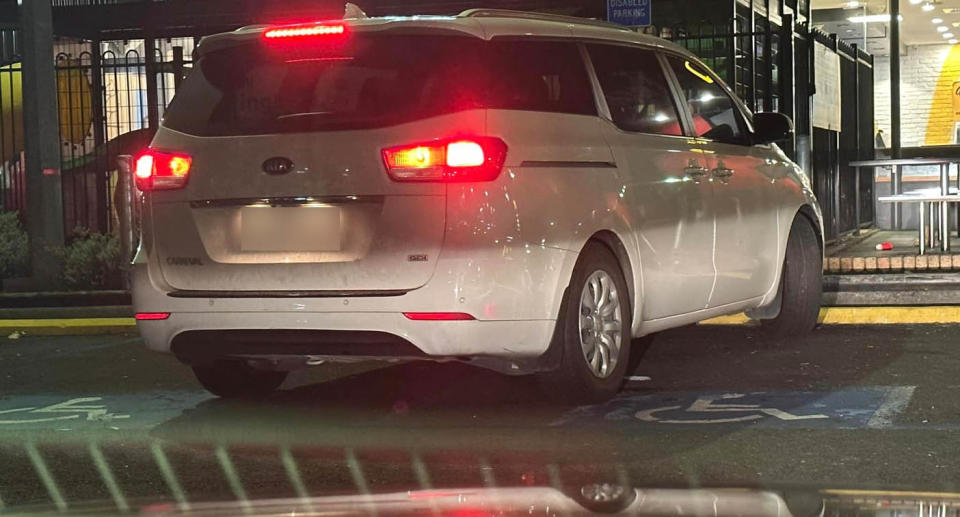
x: 124, y: 212
x: 41, y: 141
x: 153, y: 101
x: 787, y: 78
x: 856, y: 129
x: 177, y: 67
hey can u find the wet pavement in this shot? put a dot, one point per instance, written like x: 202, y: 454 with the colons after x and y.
x: 98, y: 419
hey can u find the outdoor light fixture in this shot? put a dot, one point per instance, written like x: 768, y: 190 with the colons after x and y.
x: 873, y: 18
x: 927, y: 6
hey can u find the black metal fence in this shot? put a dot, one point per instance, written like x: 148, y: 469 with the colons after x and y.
x: 844, y: 196
x: 105, y: 112
x: 104, y: 102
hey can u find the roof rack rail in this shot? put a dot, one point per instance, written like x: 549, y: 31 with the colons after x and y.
x: 527, y: 15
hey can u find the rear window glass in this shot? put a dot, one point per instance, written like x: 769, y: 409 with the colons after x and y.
x: 375, y: 81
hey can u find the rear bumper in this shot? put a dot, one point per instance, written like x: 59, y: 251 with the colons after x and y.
x: 443, y: 339
x: 516, y: 304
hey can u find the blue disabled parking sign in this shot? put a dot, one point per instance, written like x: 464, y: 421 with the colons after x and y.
x: 629, y: 12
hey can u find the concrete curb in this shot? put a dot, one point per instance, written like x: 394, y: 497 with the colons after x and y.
x: 902, y: 315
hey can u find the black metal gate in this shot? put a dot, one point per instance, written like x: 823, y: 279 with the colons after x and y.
x: 109, y: 106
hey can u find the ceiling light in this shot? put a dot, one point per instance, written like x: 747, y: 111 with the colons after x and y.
x: 952, y: 41
x: 927, y: 6
x: 852, y: 4
x: 947, y: 34
x: 873, y: 18
x: 942, y: 28
x: 914, y: 2
x: 935, y: 21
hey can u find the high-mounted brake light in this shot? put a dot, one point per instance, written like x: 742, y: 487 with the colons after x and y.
x: 453, y: 160
x: 304, y: 30
x: 160, y: 170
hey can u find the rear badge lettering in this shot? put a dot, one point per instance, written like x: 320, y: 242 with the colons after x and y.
x: 417, y: 258
x: 184, y: 261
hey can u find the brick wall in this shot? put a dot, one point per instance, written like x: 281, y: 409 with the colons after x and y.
x: 925, y: 111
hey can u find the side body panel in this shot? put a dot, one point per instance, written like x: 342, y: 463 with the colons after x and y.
x: 671, y: 216
x: 747, y: 198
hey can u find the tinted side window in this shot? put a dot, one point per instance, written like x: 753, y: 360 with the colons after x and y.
x: 375, y: 81
x: 635, y: 89
x: 715, y: 116
x: 539, y: 76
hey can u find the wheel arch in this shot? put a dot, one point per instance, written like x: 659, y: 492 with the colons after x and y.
x: 614, y: 243
x: 807, y: 211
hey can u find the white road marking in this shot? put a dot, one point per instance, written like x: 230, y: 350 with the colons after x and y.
x: 706, y: 405
x: 74, y: 406
x: 895, y: 401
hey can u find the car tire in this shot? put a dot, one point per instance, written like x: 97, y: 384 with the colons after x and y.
x: 237, y: 379
x: 801, y: 284
x: 592, y: 365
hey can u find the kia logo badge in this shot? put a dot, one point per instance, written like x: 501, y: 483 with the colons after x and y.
x: 277, y: 165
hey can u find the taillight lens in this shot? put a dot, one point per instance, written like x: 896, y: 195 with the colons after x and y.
x: 160, y: 170
x: 454, y: 160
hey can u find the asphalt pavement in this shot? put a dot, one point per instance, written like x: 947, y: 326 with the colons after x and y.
x: 97, y: 419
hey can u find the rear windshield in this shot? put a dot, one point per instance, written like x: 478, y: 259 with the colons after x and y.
x: 374, y: 81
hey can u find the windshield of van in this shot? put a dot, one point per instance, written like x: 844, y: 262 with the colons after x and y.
x: 374, y: 81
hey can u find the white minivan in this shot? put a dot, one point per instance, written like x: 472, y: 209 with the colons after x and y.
x: 518, y: 191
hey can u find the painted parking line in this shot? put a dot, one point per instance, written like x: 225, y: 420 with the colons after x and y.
x: 115, y: 412
x: 874, y: 407
x: 866, y: 316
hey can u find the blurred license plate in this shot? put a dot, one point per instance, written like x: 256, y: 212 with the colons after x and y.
x: 300, y: 228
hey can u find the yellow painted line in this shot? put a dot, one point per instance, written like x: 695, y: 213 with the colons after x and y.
x: 867, y: 316
x: 67, y: 322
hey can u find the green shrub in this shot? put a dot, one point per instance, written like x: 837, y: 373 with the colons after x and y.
x: 14, y: 247
x: 92, y: 261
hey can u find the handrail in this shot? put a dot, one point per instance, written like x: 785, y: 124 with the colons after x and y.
x: 903, y: 161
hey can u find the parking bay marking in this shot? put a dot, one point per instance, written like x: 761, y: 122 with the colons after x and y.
x: 706, y: 405
x: 140, y: 410
x: 873, y: 407
x: 75, y: 407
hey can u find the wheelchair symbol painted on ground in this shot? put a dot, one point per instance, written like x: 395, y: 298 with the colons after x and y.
x: 70, y: 410
x: 707, y: 411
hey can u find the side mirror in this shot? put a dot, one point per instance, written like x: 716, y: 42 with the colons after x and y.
x: 771, y: 127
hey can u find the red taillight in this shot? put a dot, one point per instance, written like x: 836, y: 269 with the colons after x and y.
x: 304, y: 30
x: 149, y: 316
x: 438, y: 316
x: 459, y: 159
x: 159, y: 170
